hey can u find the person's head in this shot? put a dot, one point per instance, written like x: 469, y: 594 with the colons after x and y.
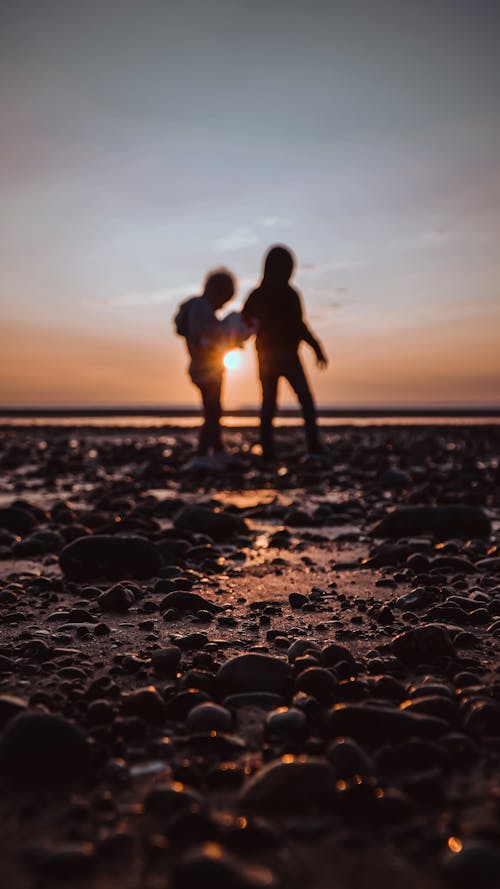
x: 279, y: 264
x: 219, y: 287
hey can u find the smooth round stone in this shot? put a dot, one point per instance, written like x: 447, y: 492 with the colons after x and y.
x: 166, y: 660
x: 183, y: 601
x: 260, y: 700
x: 209, y: 717
x: 423, y: 645
x: 476, y: 864
x: 301, y: 647
x: 10, y: 706
x: 146, y: 703
x: 349, y: 759
x: 211, y: 865
x: 254, y: 672
x: 217, y: 525
x: 333, y: 654
x: 110, y: 555
x: 43, y: 745
x: 292, y: 783
x: 168, y: 799
x: 288, y: 721
x: 378, y: 725
x: 316, y: 681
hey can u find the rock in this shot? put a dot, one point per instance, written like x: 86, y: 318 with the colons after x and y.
x: 16, y: 520
x: 297, y: 600
x: 373, y: 725
x: 166, y: 660
x: 443, y: 522
x: 316, y: 681
x: 423, y: 645
x: 43, y: 746
x: 301, y: 647
x: 117, y: 599
x: 349, y: 759
x: 287, y: 721
x: 146, y: 703
x: 254, y: 672
x: 183, y: 601
x: 395, y: 479
x: 211, y: 865
x: 476, y: 863
x: 333, y: 654
x: 217, y: 525
x: 291, y: 784
x: 110, y: 556
x: 209, y: 717
x: 10, y: 706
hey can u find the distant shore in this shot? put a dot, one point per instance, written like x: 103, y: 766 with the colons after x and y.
x: 243, y: 412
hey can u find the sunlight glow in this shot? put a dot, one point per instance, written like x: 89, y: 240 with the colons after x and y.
x: 233, y: 359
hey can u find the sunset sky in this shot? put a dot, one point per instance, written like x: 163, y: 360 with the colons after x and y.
x: 145, y: 141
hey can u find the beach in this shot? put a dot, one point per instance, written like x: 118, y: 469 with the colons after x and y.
x: 271, y: 676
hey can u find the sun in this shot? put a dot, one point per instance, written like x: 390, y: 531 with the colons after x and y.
x: 233, y: 359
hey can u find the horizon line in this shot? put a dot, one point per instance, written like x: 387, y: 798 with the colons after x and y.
x: 394, y: 410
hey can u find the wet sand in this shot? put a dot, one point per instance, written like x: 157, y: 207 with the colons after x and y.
x: 173, y: 689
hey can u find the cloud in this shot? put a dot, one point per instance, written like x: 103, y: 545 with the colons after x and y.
x: 274, y: 222
x: 243, y: 236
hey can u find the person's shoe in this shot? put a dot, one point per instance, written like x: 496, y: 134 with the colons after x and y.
x: 227, y: 461
x: 200, y: 463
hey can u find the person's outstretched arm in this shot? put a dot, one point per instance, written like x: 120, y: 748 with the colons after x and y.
x: 307, y: 335
x: 310, y: 339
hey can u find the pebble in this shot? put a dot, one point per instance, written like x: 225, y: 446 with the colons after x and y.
x: 43, y: 746
x: 254, y: 672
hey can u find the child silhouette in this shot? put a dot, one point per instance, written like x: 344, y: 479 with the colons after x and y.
x: 275, y: 307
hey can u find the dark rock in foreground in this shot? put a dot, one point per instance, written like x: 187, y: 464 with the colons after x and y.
x: 291, y: 783
x: 43, y: 746
x: 442, y: 521
x: 110, y: 556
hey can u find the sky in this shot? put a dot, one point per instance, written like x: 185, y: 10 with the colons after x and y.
x: 147, y: 141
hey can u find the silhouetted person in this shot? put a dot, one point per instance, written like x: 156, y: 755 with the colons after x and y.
x: 276, y: 307
x: 207, y: 341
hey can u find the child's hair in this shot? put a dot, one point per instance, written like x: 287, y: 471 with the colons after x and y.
x: 218, y: 280
x: 279, y: 264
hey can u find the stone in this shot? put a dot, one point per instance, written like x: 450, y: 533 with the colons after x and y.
x: 444, y: 522
x: 110, y: 556
x: 16, y: 520
x: 209, y: 717
x: 166, y: 660
x: 291, y: 784
x: 185, y: 602
x: 211, y: 865
x: 117, y: 599
x: 422, y: 645
x: 217, y: 525
x: 43, y: 746
x: 254, y: 672
x: 146, y: 703
x: 348, y: 759
x: 375, y: 725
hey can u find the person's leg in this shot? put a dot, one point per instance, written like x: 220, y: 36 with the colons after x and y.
x: 210, y: 432
x: 214, y: 413
x: 269, y: 382
x: 298, y: 381
x: 204, y: 434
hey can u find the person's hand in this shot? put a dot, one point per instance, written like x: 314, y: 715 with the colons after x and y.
x: 321, y: 359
